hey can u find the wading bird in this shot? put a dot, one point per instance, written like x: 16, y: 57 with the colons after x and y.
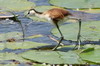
x: 56, y: 16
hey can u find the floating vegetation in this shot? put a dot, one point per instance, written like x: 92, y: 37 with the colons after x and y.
x: 16, y: 5
x: 76, y: 3
x: 69, y: 57
x: 10, y: 35
x: 22, y: 45
x: 53, y: 57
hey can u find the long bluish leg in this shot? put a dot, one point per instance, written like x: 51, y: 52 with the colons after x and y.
x: 79, y: 32
x: 79, y: 35
x: 61, y: 38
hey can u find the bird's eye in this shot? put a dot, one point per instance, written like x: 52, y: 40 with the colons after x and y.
x: 28, y: 13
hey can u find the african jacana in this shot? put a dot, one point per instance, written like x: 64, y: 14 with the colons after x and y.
x: 56, y: 16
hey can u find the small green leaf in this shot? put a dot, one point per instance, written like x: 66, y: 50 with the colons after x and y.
x: 11, y: 56
x: 91, y: 46
x: 16, y: 5
x: 92, y: 56
x: 10, y: 64
x: 39, y: 65
x: 91, y: 10
x: 9, y: 35
x: 76, y: 3
x: 34, y: 36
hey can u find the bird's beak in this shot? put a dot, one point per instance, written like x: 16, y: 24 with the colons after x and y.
x: 26, y: 15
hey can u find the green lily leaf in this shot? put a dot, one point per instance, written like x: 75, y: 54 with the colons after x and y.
x: 94, y: 3
x: 9, y: 35
x: 22, y: 45
x: 11, y: 56
x: 53, y: 57
x: 2, y: 46
x: 6, y: 14
x: 90, y: 31
x: 10, y: 64
x: 39, y: 65
x: 92, y: 56
x: 34, y: 36
x: 91, y: 10
x: 16, y: 35
x: 92, y: 46
x: 76, y: 3
x: 16, y: 5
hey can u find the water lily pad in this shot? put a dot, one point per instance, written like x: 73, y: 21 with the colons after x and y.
x: 44, y: 8
x: 76, y: 3
x: 16, y: 5
x: 91, y: 10
x: 10, y: 64
x: 53, y: 57
x: 94, y: 3
x: 11, y: 56
x: 5, y: 14
x: 22, y: 45
x: 2, y: 46
x: 41, y: 9
x: 92, y: 46
x: 39, y: 65
x: 90, y: 31
x: 34, y: 36
x: 92, y: 56
x: 9, y: 35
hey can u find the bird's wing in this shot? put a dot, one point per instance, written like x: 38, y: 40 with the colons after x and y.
x: 56, y: 14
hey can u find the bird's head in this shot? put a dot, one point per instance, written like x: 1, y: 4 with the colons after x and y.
x: 31, y: 12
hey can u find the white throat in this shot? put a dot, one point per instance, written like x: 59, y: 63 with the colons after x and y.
x: 39, y: 15
x: 44, y: 16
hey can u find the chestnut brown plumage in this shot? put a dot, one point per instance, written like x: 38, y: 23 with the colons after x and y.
x: 56, y: 16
